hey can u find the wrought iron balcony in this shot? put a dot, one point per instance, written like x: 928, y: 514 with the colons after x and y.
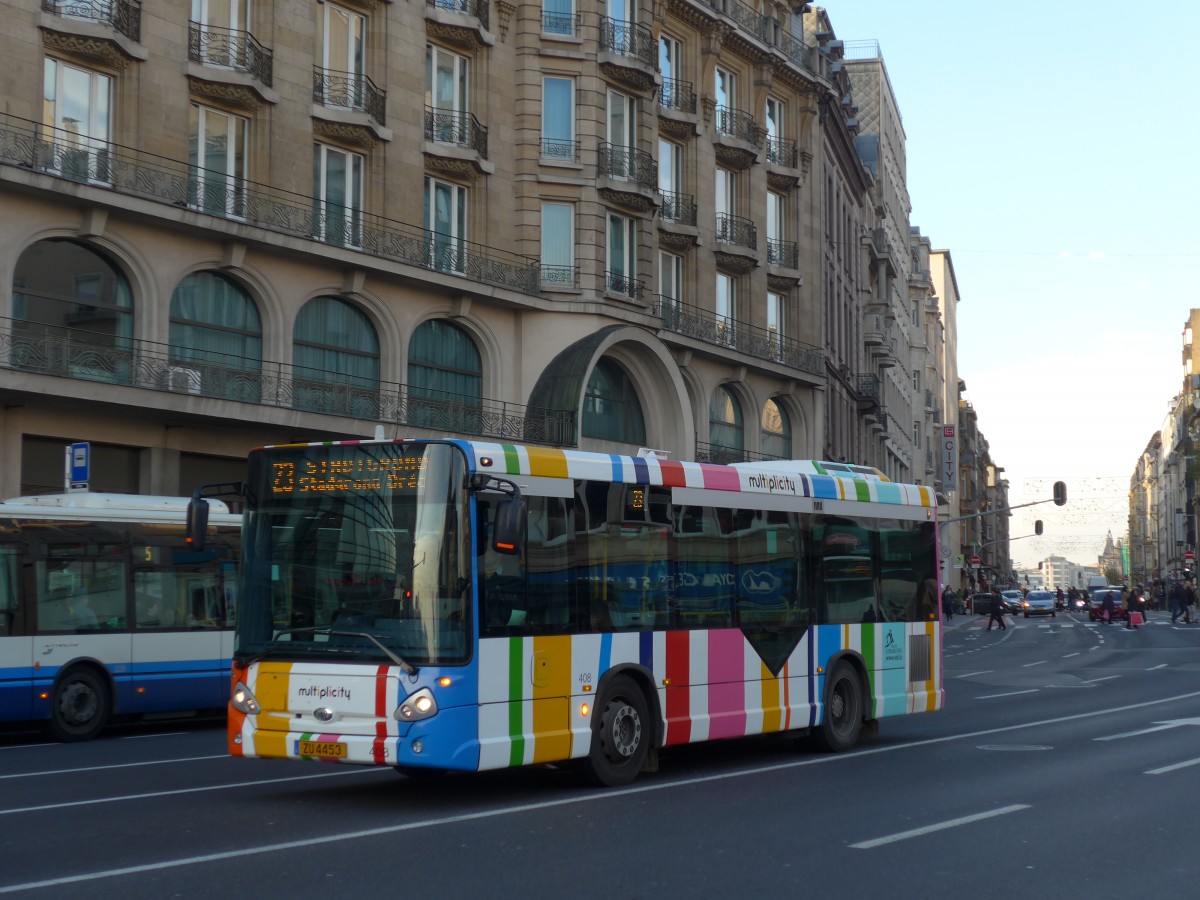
x: 676, y: 94
x: 798, y: 53
x: 783, y: 253
x: 476, y: 8
x: 737, y: 124
x: 123, y: 15
x: 781, y: 152
x: 558, y: 148
x: 628, y: 164
x: 92, y: 356
x: 565, y: 24
x: 560, y: 276
x: 723, y: 456
x: 616, y: 283
x: 761, y: 343
x: 349, y: 90
x: 868, y: 387
x: 678, y: 208
x: 737, y: 231
x: 628, y: 39
x: 747, y: 17
x: 448, y: 126
x: 132, y: 172
x: 231, y: 49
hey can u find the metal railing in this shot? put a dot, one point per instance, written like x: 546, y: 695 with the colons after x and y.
x: 738, y: 124
x: 616, y: 283
x: 448, y: 126
x: 676, y: 94
x: 679, y: 208
x: 781, y: 152
x: 560, y: 148
x: 761, y: 343
x: 91, y: 356
x: 123, y: 15
x: 868, y: 386
x: 721, y: 455
x: 230, y: 48
x: 626, y: 163
x: 628, y: 39
x: 566, y: 24
x: 798, y: 53
x: 737, y: 231
x: 560, y: 276
x: 133, y: 172
x: 349, y: 90
x: 783, y: 253
x: 476, y: 8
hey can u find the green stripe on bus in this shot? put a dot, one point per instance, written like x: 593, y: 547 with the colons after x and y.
x: 512, y: 461
x: 516, y: 752
x: 863, y: 491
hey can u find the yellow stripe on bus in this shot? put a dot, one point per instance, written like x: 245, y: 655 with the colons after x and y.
x: 551, y: 698
x: 771, y: 704
x: 547, y: 462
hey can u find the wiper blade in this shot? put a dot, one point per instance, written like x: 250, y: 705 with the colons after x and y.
x: 409, y: 668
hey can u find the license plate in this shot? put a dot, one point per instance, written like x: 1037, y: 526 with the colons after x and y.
x: 323, y: 749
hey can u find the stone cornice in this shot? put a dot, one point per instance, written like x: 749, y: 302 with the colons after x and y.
x: 105, y: 51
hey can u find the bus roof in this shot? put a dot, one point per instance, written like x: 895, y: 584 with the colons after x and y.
x: 128, y: 507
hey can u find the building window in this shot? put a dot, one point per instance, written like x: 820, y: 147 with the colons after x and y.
x: 726, y: 307
x: 446, y: 94
x: 725, y: 198
x: 446, y: 225
x: 337, y: 195
x: 670, y: 166
x: 217, y: 155
x: 670, y: 276
x: 558, y: 17
x: 621, y: 277
x: 775, y: 319
x: 445, y: 379
x: 611, y: 410
x: 776, y: 432
x: 622, y: 131
x: 558, y: 118
x: 76, y: 107
x: 917, y: 434
x: 558, y: 244
x: 215, y: 339
x: 774, y: 118
x: 335, y: 352
x: 343, y: 38
x: 725, y: 420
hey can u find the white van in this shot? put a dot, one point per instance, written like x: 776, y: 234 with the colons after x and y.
x: 1096, y: 583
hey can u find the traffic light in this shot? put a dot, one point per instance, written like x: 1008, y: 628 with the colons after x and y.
x: 1037, y: 527
x: 1060, y: 493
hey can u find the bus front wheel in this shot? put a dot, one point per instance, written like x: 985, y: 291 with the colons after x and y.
x: 80, y: 706
x: 843, y: 718
x: 621, y: 737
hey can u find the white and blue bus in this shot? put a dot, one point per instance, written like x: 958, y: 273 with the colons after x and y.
x: 106, y: 611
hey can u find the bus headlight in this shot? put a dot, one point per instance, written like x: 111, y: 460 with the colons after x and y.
x: 420, y: 705
x: 243, y: 701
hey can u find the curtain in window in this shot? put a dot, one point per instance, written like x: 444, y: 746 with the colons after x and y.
x: 216, y: 331
x: 558, y: 244
x: 336, y: 355
x: 725, y: 419
x: 611, y: 410
x: 776, y: 432
x: 445, y: 379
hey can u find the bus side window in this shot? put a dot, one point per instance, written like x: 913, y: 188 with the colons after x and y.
x: 10, y: 560
x: 151, y: 595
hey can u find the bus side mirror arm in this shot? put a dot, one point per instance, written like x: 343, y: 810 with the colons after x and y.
x: 509, y: 525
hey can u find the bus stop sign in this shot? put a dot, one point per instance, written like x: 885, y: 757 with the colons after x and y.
x: 79, y: 463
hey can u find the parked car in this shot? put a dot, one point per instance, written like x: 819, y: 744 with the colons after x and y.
x: 1039, y: 603
x: 981, y: 604
x: 1096, y: 604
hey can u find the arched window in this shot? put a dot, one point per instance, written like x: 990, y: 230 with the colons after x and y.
x: 336, y: 355
x: 611, y: 410
x: 445, y: 378
x: 725, y: 420
x: 776, y: 432
x: 72, y: 313
x: 216, y: 339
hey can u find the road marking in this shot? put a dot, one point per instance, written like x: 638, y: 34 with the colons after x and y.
x: 940, y: 826
x: 1159, y: 666
x: 589, y: 797
x: 1158, y: 726
x: 148, y: 762
x: 972, y: 674
x: 1069, y: 655
x: 1165, y: 769
x: 1104, y: 678
x: 1040, y: 662
x: 142, y: 737
x: 1009, y: 694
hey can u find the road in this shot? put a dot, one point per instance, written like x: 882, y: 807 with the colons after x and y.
x: 1063, y: 766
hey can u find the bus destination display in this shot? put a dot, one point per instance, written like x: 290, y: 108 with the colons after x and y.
x: 358, y: 474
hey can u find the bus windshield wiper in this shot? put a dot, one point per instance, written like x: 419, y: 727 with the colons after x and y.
x: 409, y: 668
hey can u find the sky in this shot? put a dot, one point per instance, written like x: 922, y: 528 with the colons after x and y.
x: 1050, y: 149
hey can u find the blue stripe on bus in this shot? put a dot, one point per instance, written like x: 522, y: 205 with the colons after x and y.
x: 646, y: 649
x: 889, y: 492
x: 641, y: 470
x: 825, y: 487
x: 605, y: 651
x: 618, y: 468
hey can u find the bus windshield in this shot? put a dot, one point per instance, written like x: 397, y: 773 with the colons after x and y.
x: 359, y: 553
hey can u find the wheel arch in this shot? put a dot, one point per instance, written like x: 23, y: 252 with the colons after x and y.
x: 644, y: 679
x: 859, y: 666
x: 94, y: 665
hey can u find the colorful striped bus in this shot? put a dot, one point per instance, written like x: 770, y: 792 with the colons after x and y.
x: 456, y: 605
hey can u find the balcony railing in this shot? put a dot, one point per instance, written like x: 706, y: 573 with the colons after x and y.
x: 678, y: 208
x: 560, y: 276
x: 123, y: 15
x: 560, y: 148
x: 737, y: 231
x: 676, y: 94
x: 448, y: 126
x: 798, y: 53
x: 349, y: 90
x: 627, y: 164
x: 747, y: 18
x: 738, y: 124
x: 761, y: 343
x: 868, y: 387
x: 783, y: 253
x: 231, y: 49
x: 476, y: 8
x: 616, y: 283
x: 133, y: 172
x: 90, y: 356
x: 781, y: 152
x: 566, y: 24
x: 628, y: 39
x: 723, y: 456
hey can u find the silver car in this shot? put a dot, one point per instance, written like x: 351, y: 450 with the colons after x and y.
x: 1039, y: 603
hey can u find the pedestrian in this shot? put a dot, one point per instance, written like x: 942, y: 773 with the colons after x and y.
x: 948, y: 602
x: 1107, y: 608
x: 1130, y: 599
x: 1177, y: 608
x: 997, y: 612
x: 1189, y: 600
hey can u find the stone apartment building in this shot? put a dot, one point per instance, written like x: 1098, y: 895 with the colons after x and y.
x: 604, y: 226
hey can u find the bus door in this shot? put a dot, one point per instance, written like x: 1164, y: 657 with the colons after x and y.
x: 181, y: 615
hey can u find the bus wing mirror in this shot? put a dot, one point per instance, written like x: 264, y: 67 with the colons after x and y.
x: 509, y: 526
x: 197, y: 523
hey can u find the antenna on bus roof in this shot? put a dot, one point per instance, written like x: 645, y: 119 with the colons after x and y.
x: 647, y: 453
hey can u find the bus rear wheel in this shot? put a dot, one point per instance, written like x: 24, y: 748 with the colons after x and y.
x: 80, y: 706
x: 843, y: 718
x: 621, y: 736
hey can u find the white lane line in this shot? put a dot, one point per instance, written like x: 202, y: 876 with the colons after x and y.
x: 940, y: 826
x: 148, y: 762
x: 1069, y: 655
x: 1165, y: 769
x: 142, y: 737
x: 1094, y: 680
x: 1159, y: 666
x: 1009, y: 694
x: 973, y: 674
x: 1040, y: 662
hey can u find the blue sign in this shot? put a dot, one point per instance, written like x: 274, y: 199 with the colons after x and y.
x: 79, y: 459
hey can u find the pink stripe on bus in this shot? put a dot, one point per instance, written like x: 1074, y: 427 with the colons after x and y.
x: 726, y: 684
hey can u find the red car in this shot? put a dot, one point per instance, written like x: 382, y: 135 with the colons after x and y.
x: 1096, y: 607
